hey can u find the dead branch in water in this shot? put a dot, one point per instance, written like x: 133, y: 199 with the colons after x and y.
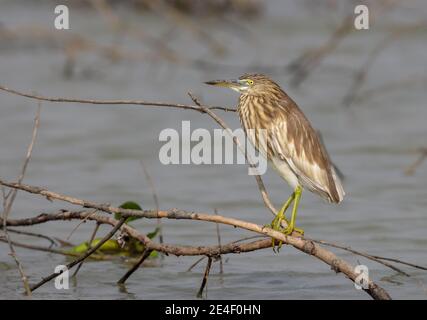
x: 205, y: 278
x: 155, y: 198
x: 305, y: 245
x: 144, y: 256
x: 92, y: 237
x: 9, y: 198
x: 51, y: 240
x: 218, y: 235
x: 83, y: 257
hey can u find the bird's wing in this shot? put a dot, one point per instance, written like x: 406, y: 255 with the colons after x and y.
x: 292, y: 139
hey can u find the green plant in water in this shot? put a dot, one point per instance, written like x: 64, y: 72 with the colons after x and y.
x: 132, y: 246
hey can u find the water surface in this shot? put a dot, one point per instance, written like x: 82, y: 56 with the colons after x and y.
x: 94, y: 152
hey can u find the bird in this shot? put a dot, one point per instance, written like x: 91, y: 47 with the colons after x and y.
x: 289, y: 142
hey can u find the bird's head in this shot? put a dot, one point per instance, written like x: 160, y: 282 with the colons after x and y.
x: 252, y: 84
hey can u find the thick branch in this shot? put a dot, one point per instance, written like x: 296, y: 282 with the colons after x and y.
x: 232, y: 247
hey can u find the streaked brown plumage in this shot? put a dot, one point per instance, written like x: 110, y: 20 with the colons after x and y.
x: 290, y: 136
x: 287, y: 140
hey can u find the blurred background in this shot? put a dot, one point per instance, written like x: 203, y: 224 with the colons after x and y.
x: 364, y: 90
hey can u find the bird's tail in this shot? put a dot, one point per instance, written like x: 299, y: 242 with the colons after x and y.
x: 340, y: 193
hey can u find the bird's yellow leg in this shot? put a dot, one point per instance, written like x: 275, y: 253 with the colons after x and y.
x: 280, y: 216
x: 275, y: 224
x: 291, y: 226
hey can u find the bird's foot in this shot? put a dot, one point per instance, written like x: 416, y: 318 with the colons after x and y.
x: 276, y: 225
x: 290, y: 229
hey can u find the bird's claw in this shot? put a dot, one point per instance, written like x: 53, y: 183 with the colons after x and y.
x: 290, y: 229
x: 276, y: 225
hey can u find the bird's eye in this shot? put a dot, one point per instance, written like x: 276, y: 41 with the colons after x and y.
x: 250, y: 82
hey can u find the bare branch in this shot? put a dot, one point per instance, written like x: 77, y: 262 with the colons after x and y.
x: 301, y: 244
x: 362, y: 254
x: 218, y: 234
x: 155, y: 198
x: 135, y: 267
x: 410, y: 170
x: 205, y: 278
x: 361, y: 74
x: 84, y: 256
x: 175, y: 250
x: 112, y: 102
x: 92, y: 237
x: 303, y: 65
x: 33, y: 234
x: 236, y: 141
x: 195, y: 263
x: 9, y: 199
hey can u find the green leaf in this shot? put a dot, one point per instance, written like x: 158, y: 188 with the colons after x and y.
x: 110, y: 245
x: 131, y: 205
x: 133, y: 247
x: 151, y: 235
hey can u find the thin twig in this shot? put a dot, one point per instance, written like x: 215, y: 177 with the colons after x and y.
x: 40, y: 248
x: 77, y: 226
x: 195, y: 263
x: 178, y: 18
x: 218, y: 234
x: 234, y: 242
x: 111, y: 102
x: 119, y: 25
x: 57, y: 251
x: 135, y: 267
x: 92, y: 237
x: 391, y: 86
x: 362, y: 254
x: 205, y: 279
x: 236, y: 141
x: 84, y: 256
x: 416, y: 266
x: 359, y: 77
x: 250, y: 238
x: 33, y: 234
x: 410, y: 170
x: 10, y: 198
x: 303, y: 65
x: 155, y: 198
x: 221, y: 270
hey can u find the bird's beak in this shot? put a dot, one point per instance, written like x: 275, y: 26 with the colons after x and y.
x: 232, y: 84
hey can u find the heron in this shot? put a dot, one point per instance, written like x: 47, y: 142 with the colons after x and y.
x: 291, y: 145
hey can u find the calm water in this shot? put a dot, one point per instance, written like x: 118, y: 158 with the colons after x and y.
x: 93, y: 152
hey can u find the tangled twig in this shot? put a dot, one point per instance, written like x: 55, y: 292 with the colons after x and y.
x: 9, y: 198
x: 299, y: 243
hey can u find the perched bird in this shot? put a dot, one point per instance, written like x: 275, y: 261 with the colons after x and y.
x: 291, y: 145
